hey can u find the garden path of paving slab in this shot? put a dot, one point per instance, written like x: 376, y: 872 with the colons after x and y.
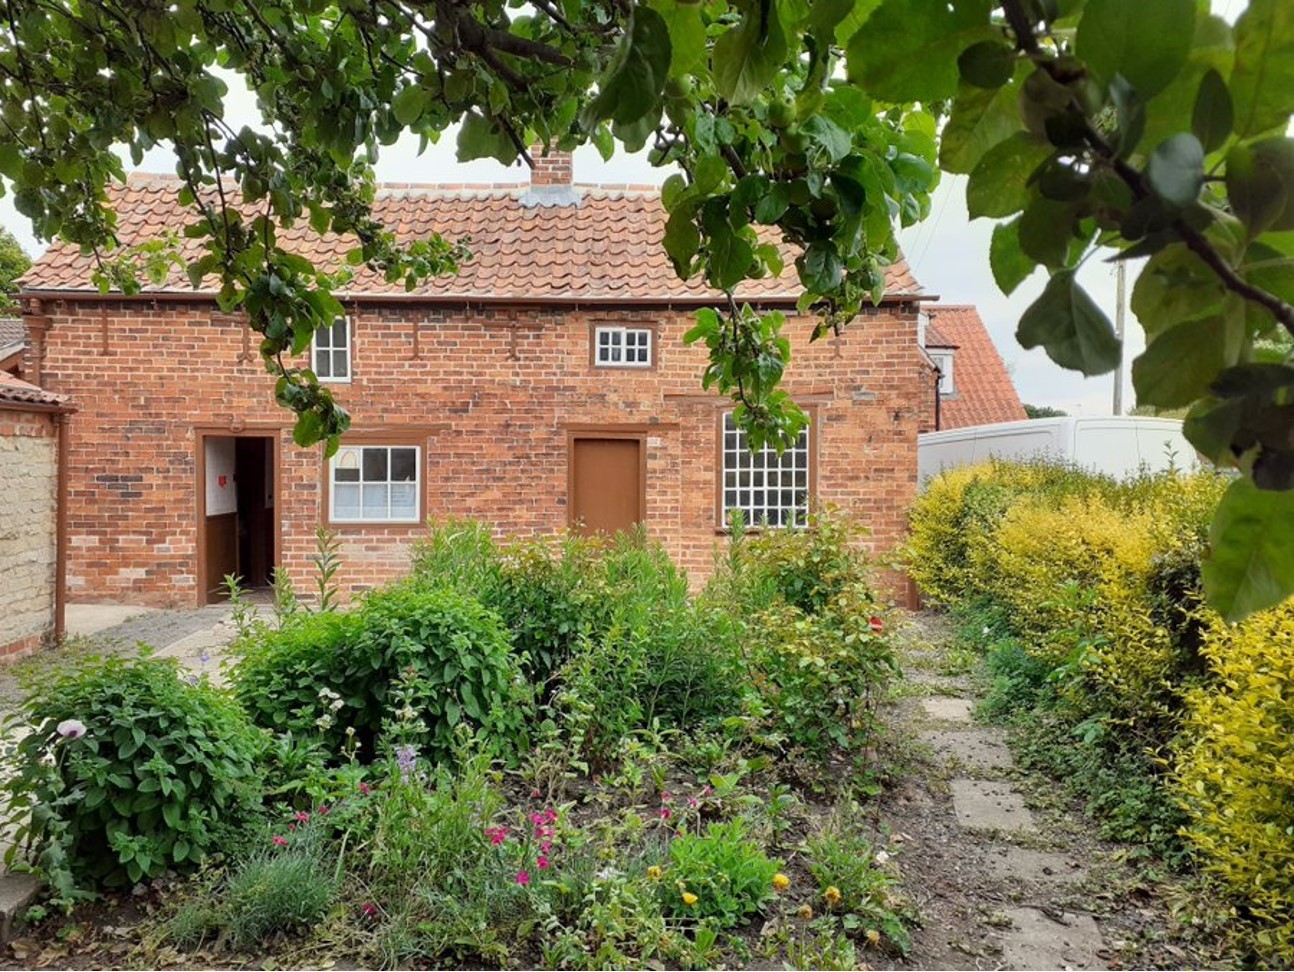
x: 995, y: 891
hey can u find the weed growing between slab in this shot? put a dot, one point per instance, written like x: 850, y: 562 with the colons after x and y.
x: 527, y: 754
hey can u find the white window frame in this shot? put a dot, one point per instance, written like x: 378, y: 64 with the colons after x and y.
x: 328, y: 348
x: 360, y: 448
x: 766, y: 474
x: 944, y: 362
x: 622, y: 345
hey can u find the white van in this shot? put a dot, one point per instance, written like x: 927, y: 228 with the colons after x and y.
x: 1115, y: 446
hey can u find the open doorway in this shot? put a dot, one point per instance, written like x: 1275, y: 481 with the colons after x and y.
x: 237, y: 525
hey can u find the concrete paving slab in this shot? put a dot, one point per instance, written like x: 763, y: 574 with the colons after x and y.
x: 948, y: 709
x: 983, y: 805
x: 1040, y: 941
x: 983, y: 750
x: 87, y: 619
x: 1015, y: 865
x: 17, y: 893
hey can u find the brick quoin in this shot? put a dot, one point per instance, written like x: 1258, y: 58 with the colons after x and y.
x: 490, y: 393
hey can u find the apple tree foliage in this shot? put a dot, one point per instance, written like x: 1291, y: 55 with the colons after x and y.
x: 1104, y: 129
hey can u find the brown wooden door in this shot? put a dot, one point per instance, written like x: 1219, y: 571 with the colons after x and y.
x: 607, y: 484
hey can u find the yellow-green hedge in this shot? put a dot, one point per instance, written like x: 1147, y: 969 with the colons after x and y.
x: 1235, y: 771
x: 1078, y: 566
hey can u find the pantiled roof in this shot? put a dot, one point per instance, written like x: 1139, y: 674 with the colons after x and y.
x: 605, y: 249
x: 13, y: 335
x: 16, y: 391
x: 983, y: 392
x: 936, y: 338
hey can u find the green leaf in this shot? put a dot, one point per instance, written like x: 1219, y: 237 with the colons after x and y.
x: 1011, y: 266
x: 1046, y: 230
x: 909, y: 50
x: 686, y: 35
x: 410, y: 103
x: 987, y: 64
x: 1250, y: 564
x: 1067, y: 323
x: 820, y: 268
x: 832, y: 141
x: 1181, y: 363
x: 632, y: 86
x: 998, y: 184
x: 1262, y: 83
x: 479, y: 138
x: 1176, y: 170
x: 1176, y: 285
x: 980, y: 120
x: 746, y: 57
x: 1260, y: 185
x: 1213, y: 114
x: 1147, y: 42
x: 1212, y: 49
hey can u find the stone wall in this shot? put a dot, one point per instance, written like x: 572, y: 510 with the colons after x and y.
x: 28, y: 498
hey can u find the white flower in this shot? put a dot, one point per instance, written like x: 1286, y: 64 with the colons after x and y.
x: 986, y: 631
x: 71, y: 728
x: 882, y: 857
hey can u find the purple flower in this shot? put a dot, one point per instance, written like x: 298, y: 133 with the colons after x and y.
x: 204, y: 656
x: 406, y: 757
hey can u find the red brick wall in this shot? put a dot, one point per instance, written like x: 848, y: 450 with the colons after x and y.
x: 499, y: 400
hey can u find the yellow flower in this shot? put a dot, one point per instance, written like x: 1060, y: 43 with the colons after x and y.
x: 806, y: 912
x: 689, y: 898
x: 654, y: 872
x: 781, y: 882
x: 831, y: 896
x: 873, y: 936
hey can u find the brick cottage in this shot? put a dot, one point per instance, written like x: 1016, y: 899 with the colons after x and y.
x: 545, y: 385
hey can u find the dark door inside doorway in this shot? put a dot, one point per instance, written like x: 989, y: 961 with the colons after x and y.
x: 607, y: 484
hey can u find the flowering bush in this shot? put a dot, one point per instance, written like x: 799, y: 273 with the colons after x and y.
x: 128, y: 771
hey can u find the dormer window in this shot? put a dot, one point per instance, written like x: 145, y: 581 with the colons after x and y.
x: 944, y: 362
x: 622, y: 347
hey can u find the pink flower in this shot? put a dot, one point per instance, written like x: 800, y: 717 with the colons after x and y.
x: 542, y: 862
x: 323, y: 810
x: 364, y: 788
x: 665, y: 813
x: 302, y: 816
x: 292, y: 826
x: 550, y: 815
x: 535, y: 794
x: 691, y: 802
x: 706, y: 791
x: 523, y: 877
x: 537, y: 819
x: 497, y: 835
x: 666, y: 796
x: 545, y: 846
x: 280, y: 841
x: 369, y: 909
x: 876, y: 624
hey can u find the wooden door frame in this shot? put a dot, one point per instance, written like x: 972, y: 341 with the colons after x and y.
x: 636, y: 433
x: 200, y: 436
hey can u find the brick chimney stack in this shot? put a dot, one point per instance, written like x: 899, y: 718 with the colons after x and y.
x: 552, y: 169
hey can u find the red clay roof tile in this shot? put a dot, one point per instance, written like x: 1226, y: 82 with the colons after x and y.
x: 983, y: 392
x: 16, y: 391
x: 606, y: 248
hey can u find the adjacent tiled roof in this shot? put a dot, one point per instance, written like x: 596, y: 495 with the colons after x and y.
x: 16, y: 391
x: 13, y: 335
x: 936, y: 338
x: 983, y: 391
x: 605, y: 249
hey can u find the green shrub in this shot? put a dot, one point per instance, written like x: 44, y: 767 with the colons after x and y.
x: 727, y: 872
x: 820, y: 674
x: 841, y: 857
x: 1235, y: 773
x: 678, y: 667
x: 334, y: 673
x: 461, y: 554
x: 128, y: 770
